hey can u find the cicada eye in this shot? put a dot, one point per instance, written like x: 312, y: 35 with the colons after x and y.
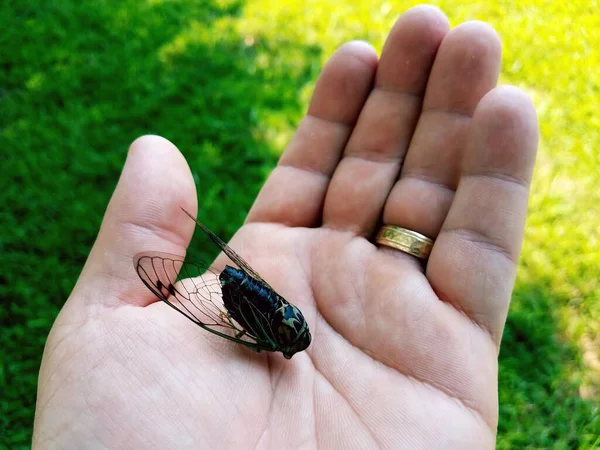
x: 289, y: 324
x: 301, y: 344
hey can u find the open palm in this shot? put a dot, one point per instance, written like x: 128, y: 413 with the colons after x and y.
x: 403, y: 355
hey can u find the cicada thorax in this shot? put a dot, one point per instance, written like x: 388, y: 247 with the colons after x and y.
x: 251, y: 304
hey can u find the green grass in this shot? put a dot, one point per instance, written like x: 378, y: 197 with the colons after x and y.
x: 227, y: 81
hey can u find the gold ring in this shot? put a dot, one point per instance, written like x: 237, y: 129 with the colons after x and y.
x: 405, y: 240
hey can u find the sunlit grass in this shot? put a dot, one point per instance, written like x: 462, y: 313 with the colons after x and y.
x: 227, y: 81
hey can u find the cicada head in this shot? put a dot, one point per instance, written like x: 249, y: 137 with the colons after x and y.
x: 291, y: 330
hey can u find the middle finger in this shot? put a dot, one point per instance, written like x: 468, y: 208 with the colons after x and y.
x: 465, y: 69
x: 374, y: 153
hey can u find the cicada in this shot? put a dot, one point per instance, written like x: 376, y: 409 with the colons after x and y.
x: 235, y: 303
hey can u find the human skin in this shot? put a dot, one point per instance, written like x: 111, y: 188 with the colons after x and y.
x: 404, y: 354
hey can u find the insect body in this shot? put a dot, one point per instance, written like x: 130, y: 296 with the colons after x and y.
x: 236, y: 304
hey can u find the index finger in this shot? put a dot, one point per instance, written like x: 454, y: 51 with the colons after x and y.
x: 295, y: 191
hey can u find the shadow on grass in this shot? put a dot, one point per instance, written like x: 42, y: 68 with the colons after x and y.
x: 540, y: 405
x: 80, y: 81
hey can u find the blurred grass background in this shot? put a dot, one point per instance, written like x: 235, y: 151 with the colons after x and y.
x: 227, y: 81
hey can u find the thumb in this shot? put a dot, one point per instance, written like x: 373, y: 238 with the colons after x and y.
x: 144, y: 214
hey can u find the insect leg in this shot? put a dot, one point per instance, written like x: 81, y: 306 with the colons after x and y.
x: 226, y: 316
x: 240, y: 334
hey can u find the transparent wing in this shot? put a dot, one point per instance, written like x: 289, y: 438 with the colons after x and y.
x: 241, y: 262
x: 195, y: 291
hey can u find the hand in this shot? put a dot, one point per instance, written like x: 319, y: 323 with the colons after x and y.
x: 402, y: 356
